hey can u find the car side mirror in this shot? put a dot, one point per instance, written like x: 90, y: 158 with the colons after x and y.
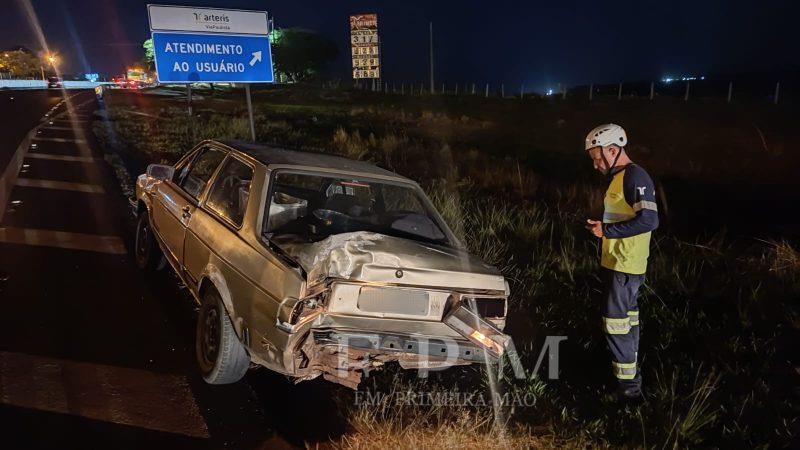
x: 160, y: 171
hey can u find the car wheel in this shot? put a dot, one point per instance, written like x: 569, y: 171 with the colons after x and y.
x: 148, y: 254
x: 222, y: 358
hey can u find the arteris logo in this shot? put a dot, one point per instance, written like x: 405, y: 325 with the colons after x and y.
x: 211, y: 18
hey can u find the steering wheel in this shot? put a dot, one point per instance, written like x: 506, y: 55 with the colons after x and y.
x: 329, y: 217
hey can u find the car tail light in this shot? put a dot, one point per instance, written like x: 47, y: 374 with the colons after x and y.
x: 478, y: 331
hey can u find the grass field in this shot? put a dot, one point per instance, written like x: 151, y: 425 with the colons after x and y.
x: 721, y: 312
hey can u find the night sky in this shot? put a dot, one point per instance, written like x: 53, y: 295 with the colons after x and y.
x: 536, y: 43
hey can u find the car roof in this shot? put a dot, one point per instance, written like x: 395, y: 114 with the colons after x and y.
x: 270, y: 155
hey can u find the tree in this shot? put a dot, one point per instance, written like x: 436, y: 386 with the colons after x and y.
x: 301, y: 54
x: 20, y: 64
x: 149, y: 54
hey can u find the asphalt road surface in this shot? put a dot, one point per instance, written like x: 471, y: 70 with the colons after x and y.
x: 93, y: 352
x: 19, y: 112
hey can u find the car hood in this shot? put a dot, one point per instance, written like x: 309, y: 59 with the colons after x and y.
x: 373, y: 257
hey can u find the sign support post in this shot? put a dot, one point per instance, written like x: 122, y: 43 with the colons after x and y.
x: 189, y: 110
x: 189, y: 98
x: 211, y: 45
x: 250, y: 113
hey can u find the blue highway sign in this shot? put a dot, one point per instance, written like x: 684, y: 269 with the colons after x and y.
x: 215, y: 58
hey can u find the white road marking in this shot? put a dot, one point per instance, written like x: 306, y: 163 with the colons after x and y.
x: 67, y: 140
x: 133, y: 397
x: 63, y: 185
x: 63, y: 239
x: 53, y: 157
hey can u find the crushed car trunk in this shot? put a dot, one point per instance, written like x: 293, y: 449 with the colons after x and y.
x: 379, y: 299
x: 372, y: 257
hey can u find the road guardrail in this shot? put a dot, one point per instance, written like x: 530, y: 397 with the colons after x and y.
x: 39, y: 84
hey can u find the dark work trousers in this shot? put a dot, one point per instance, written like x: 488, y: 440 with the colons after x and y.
x: 621, y: 323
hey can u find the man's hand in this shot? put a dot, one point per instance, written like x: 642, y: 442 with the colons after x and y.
x: 595, y: 227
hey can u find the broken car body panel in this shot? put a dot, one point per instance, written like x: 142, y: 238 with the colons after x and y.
x: 317, y: 300
x: 373, y: 257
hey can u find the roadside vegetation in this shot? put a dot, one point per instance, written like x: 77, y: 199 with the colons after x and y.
x: 721, y: 309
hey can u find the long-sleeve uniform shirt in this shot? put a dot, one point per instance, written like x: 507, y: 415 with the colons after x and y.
x: 630, y: 215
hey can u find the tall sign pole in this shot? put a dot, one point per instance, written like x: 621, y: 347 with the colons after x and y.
x: 210, y: 45
x: 250, y: 113
x: 365, y: 46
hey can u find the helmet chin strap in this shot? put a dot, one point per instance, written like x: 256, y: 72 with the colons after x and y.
x: 611, y: 166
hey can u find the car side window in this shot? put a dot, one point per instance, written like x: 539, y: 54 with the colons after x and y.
x: 231, y: 191
x: 200, y: 171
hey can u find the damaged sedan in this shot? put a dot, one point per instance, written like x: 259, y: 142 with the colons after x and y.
x: 315, y: 265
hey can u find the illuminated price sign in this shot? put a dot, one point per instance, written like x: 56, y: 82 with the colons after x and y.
x: 364, y: 43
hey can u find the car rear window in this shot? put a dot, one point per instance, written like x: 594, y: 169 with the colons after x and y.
x: 315, y: 206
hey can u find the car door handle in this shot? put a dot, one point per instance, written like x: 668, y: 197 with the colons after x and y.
x: 187, y: 212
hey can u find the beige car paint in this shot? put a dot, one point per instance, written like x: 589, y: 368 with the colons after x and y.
x: 260, y: 282
x: 170, y: 217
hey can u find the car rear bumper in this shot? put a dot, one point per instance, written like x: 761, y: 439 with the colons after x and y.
x: 444, y: 349
x: 342, y: 354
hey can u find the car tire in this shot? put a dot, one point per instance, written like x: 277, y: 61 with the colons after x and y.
x: 222, y: 358
x: 146, y: 250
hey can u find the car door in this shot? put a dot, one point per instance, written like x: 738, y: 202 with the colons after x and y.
x: 215, y: 225
x: 176, y: 200
x: 224, y: 241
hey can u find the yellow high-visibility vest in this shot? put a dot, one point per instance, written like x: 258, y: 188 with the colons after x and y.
x: 628, y: 255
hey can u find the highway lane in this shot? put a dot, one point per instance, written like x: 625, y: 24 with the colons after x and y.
x: 21, y: 110
x: 94, y: 353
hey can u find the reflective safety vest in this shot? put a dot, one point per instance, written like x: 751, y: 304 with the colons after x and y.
x: 628, y: 255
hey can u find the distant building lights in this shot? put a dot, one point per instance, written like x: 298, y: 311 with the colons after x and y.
x: 682, y: 78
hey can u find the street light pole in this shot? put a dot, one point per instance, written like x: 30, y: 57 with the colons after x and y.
x: 431, y: 48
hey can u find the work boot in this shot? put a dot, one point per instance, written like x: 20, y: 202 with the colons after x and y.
x: 629, y: 392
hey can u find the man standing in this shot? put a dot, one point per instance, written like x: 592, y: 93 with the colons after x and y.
x: 630, y: 215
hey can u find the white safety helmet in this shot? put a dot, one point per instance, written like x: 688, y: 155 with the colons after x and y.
x: 605, y: 135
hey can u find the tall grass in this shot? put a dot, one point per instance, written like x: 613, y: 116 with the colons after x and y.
x: 392, y: 421
x: 718, y: 316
